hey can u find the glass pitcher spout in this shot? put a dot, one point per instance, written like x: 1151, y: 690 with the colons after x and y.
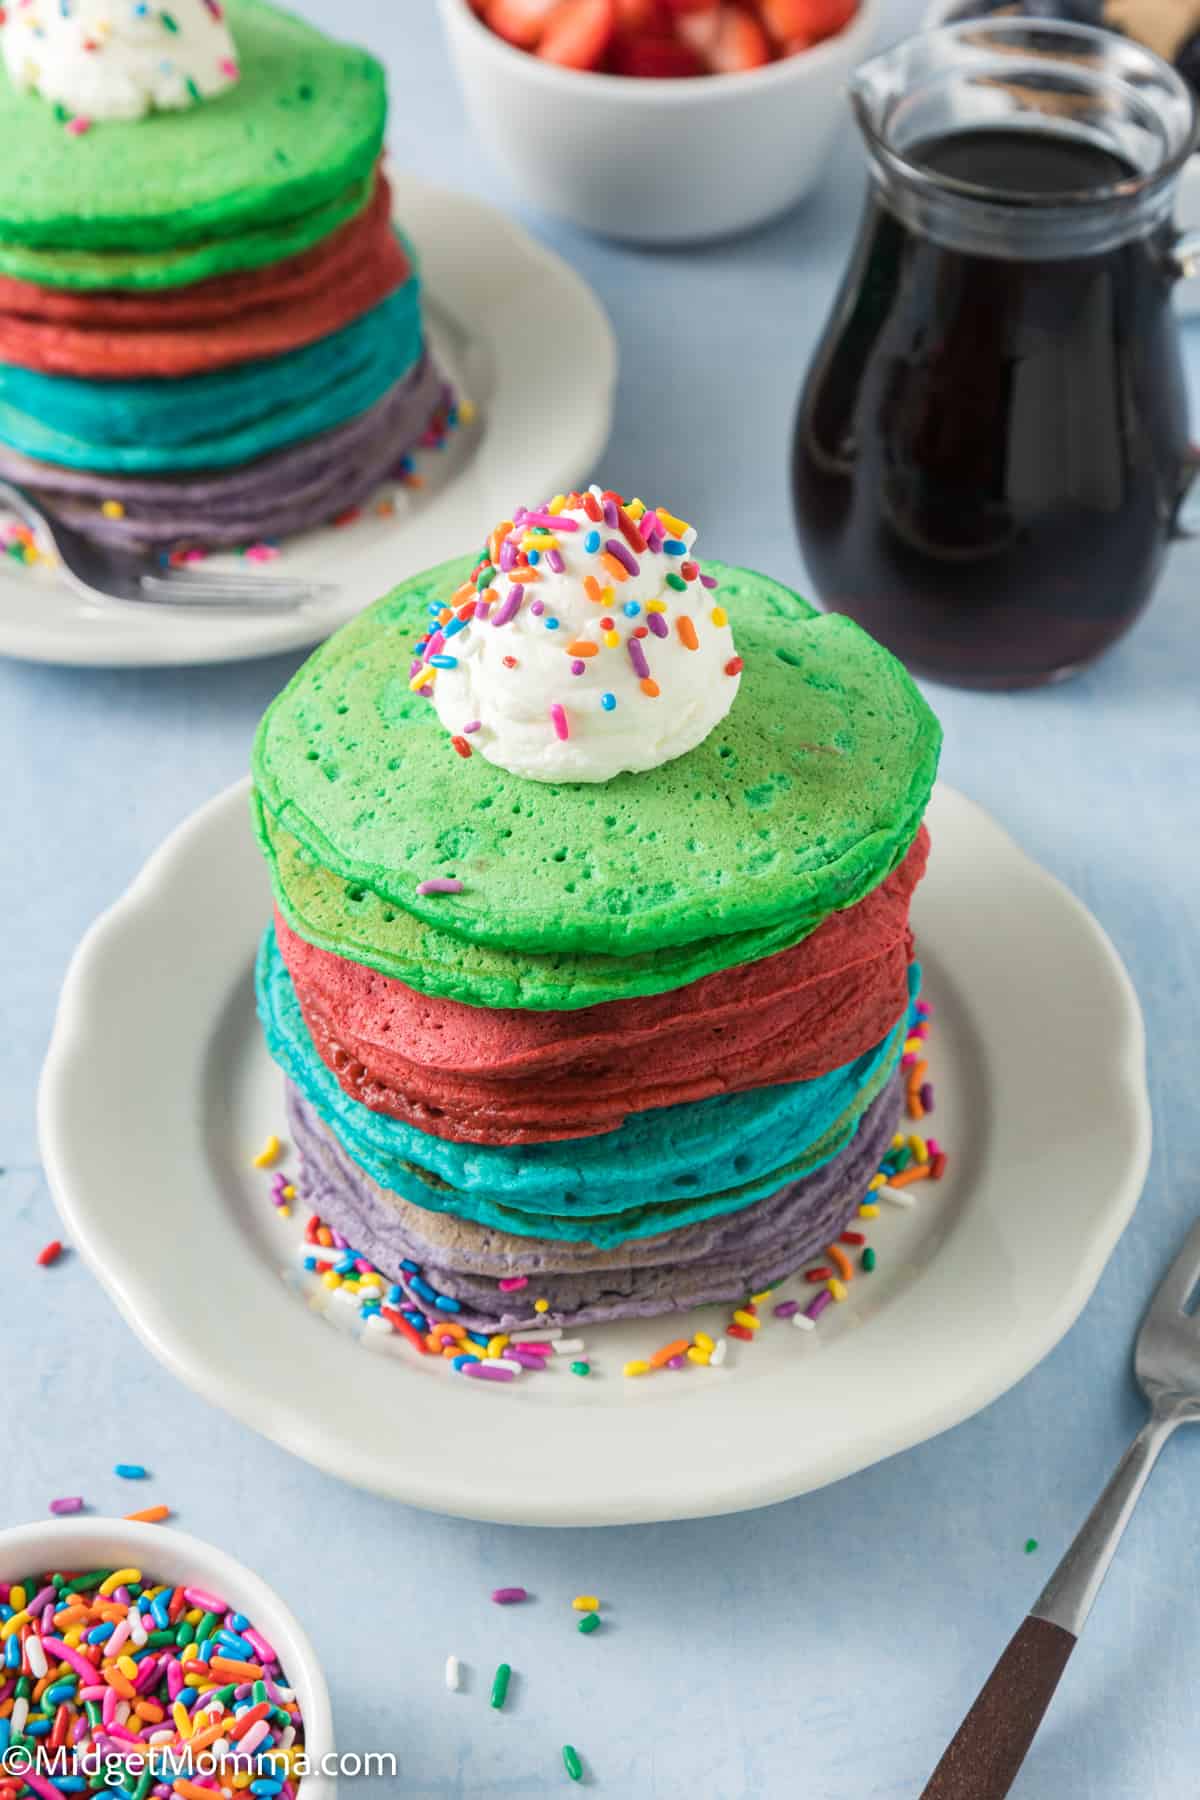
x: 873, y: 86
x: 1080, y: 83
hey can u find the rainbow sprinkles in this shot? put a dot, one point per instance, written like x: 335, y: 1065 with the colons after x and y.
x: 117, y: 1683
x: 425, y: 1318
x: 586, y: 642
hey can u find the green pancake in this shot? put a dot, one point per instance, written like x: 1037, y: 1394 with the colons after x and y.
x: 797, y: 805
x: 304, y: 123
x: 355, y: 923
x: 142, y: 270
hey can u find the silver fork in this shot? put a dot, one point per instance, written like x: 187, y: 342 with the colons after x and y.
x: 103, y: 573
x: 994, y: 1738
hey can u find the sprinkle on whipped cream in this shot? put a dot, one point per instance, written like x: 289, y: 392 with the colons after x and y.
x: 586, y: 643
x: 118, y: 59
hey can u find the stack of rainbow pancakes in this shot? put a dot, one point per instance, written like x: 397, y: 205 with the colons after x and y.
x: 591, y: 970
x: 210, y: 331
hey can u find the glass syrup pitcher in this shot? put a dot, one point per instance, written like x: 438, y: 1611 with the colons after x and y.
x: 991, y: 448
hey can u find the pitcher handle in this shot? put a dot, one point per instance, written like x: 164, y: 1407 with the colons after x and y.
x: 1185, y: 522
x: 1185, y: 266
x: 1185, y: 254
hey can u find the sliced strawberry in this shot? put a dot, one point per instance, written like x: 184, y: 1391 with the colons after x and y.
x: 656, y: 58
x: 700, y: 26
x: 637, y: 16
x: 521, y: 22
x: 740, y: 43
x: 692, y: 6
x: 786, y: 19
x: 831, y: 16
x: 796, y: 24
x: 579, y: 33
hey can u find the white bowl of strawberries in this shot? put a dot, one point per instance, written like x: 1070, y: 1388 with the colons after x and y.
x: 659, y: 121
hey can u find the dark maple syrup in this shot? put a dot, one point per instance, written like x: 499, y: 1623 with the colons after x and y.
x: 989, y: 450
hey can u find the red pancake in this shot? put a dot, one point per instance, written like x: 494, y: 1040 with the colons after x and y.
x: 213, y: 324
x: 514, y: 1076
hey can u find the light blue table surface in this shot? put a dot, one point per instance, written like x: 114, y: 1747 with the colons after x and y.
x: 826, y: 1648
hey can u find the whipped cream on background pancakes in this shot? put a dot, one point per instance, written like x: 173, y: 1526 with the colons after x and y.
x: 587, y: 643
x: 119, y: 59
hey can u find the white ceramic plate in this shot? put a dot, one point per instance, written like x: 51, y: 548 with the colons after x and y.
x: 157, y: 1092
x: 510, y: 324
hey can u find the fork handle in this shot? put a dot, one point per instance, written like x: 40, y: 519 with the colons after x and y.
x: 993, y: 1740
x: 990, y: 1745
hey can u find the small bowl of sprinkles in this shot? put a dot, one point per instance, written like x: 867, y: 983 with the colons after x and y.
x: 137, y: 1660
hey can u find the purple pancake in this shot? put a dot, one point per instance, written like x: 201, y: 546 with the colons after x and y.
x: 290, y: 491
x: 722, y: 1258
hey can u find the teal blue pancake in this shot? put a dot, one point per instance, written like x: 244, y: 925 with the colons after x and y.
x: 217, y: 420
x: 797, y: 805
x: 659, y: 1170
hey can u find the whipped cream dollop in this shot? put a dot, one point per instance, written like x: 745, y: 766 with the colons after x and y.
x: 119, y: 59
x: 586, y: 644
